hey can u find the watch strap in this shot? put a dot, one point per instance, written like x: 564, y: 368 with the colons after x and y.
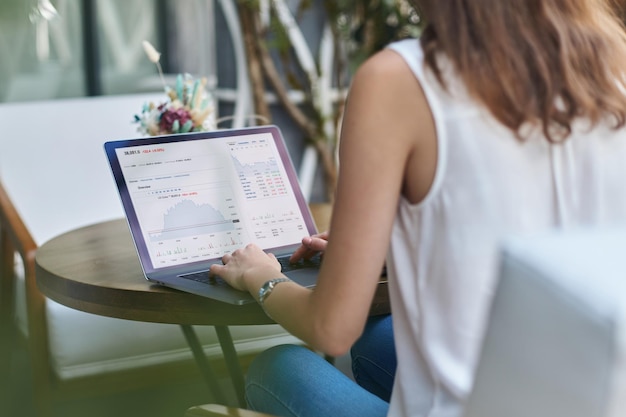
x: 267, y: 288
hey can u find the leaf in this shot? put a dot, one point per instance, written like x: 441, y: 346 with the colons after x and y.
x: 186, y: 127
x: 179, y: 87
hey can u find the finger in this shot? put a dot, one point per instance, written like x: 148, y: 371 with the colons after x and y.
x: 299, y: 253
x: 323, y: 235
x: 216, y: 269
x: 309, y: 248
x: 317, y: 244
x: 252, y: 247
x: 226, y: 258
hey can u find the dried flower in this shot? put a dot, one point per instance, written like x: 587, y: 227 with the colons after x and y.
x: 153, y: 54
x: 188, y: 108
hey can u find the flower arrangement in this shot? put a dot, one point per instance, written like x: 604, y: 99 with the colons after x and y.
x: 187, y: 108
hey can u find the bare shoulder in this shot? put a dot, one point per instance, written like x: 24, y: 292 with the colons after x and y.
x: 384, y: 62
x: 387, y: 70
x: 385, y: 87
x: 390, y: 103
x: 387, y: 77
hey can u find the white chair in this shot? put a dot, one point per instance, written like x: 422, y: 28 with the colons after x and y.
x: 556, y: 340
x: 55, y: 178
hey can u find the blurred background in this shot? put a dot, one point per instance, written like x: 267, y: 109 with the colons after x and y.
x: 289, y: 60
x: 57, y: 49
x: 70, y: 48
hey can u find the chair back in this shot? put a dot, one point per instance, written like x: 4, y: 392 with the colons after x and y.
x: 16, y: 246
x: 556, y: 340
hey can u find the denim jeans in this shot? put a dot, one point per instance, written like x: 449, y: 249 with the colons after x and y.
x: 374, y: 357
x: 292, y: 381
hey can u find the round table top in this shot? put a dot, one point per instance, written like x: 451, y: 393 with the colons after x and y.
x: 95, y: 269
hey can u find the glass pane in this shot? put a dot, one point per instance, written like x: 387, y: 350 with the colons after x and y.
x: 122, y: 27
x: 40, y: 49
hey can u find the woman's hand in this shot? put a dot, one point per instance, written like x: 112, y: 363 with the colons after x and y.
x: 311, y: 245
x: 249, y: 261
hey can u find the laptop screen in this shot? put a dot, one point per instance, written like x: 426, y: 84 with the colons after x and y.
x: 195, y: 197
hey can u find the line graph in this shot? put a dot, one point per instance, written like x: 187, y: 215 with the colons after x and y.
x: 188, y: 218
x: 258, y: 170
x: 191, y: 222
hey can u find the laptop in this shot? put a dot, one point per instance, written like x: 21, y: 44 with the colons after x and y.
x: 191, y: 198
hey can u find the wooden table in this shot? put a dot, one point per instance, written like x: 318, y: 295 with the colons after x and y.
x: 95, y: 269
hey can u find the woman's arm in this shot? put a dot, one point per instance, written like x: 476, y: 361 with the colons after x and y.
x: 379, y: 134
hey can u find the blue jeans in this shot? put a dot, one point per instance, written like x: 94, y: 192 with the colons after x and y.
x: 374, y: 357
x: 292, y: 381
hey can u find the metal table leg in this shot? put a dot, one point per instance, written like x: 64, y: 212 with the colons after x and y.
x: 230, y: 357
x: 232, y: 362
x: 203, y: 363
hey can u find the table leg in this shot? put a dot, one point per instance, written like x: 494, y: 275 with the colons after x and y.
x: 203, y: 363
x: 232, y: 362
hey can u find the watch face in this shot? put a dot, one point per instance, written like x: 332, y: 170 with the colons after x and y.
x: 263, y: 291
x: 267, y: 288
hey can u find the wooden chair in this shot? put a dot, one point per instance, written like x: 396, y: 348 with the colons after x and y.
x: 49, y: 388
x: 14, y: 238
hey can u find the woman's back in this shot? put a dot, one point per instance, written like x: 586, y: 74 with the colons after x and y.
x: 488, y: 184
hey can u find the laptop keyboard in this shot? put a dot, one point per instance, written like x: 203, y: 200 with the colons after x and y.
x: 204, y: 277
x: 286, y: 266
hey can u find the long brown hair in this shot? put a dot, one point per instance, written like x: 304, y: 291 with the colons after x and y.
x: 544, y: 62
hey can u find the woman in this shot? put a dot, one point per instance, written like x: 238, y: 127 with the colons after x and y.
x: 506, y: 117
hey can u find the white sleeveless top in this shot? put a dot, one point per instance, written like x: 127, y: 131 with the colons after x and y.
x: 442, y: 261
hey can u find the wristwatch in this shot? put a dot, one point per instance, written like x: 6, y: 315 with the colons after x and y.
x: 267, y: 288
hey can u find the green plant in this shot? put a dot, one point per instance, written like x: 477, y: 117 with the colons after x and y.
x: 367, y: 26
x: 281, y: 59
